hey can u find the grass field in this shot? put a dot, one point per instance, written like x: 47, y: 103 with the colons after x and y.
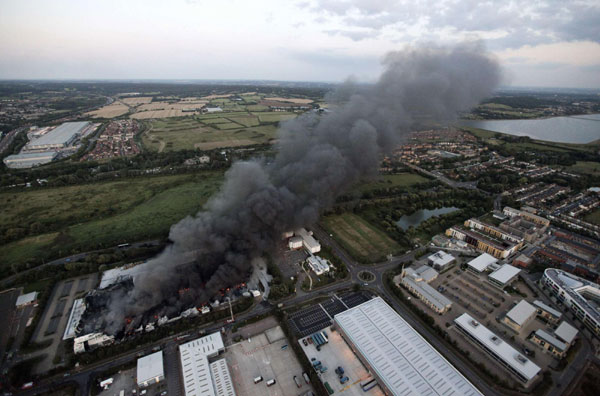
x: 397, y: 180
x: 362, y: 240
x: 275, y: 116
x: 208, y: 132
x: 586, y: 168
x: 593, y: 217
x: 86, y: 217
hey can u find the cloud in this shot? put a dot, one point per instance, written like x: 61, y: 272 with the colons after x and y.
x: 521, y: 22
x: 354, y: 35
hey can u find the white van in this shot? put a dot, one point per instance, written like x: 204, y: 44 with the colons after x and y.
x: 271, y: 382
x: 258, y: 379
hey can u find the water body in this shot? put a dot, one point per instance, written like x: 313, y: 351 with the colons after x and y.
x: 420, y: 216
x: 583, y: 128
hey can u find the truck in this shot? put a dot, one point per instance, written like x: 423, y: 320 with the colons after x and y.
x: 298, y: 384
x: 328, y: 387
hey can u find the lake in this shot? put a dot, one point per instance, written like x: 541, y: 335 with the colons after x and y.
x: 420, y: 216
x: 583, y: 128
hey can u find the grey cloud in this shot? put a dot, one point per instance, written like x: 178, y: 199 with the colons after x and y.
x: 354, y: 35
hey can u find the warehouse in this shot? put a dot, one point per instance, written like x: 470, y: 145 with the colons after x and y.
x: 504, y: 275
x: 524, y: 369
x: 481, y: 263
x: 519, y: 315
x: 440, y: 260
x: 308, y: 241
x: 402, y: 361
x: 200, y: 377
x: 59, y: 137
x: 150, y: 369
x: 573, y: 292
x: 26, y: 299
x: 28, y: 160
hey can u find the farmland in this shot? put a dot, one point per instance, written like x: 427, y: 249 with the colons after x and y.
x: 396, y: 180
x: 362, y: 240
x: 210, y: 131
x: 112, y: 110
x: 63, y: 220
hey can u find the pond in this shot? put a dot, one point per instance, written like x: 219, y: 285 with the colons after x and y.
x: 420, y: 216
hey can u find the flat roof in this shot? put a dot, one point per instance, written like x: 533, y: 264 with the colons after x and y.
x: 76, y: 312
x: 308, y: 239
x: 566, y: 332
x: 60, y: 135
x: 549, y: 338
x: 505, y: 273
x: 441, y: 258
x: 547, y: 308
x: 501, y: 349
x: 574, y: 286
x: 150, y: 367
x: 521, y: 312
x: 193, y: 355
x: 31, y: 156
x: 222, y: 378
x: 432, y: 295
x: 481, y: 262
x: 427, y: 273
x: 401, y: 358
x: 26, y: 298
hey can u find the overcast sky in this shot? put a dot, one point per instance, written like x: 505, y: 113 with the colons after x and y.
x: 539, y: 43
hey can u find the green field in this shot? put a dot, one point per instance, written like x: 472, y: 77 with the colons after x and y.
x: 275, y: 116
x: 85, y: 217
x: 362, y: 240
x: 585, y: 167
x: 397, y: 180
x: 211, y: 131
x: 593, y: 217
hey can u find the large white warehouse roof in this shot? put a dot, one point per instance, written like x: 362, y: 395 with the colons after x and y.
x: 481, y: 262
x: 197, y: 374
x: 401, y: 358
x: 150, y: 368
x: 60, y: 135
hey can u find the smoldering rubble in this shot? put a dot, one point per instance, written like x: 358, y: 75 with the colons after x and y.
x: 318, y: 158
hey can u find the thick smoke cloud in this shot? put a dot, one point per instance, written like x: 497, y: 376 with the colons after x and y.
x: 319, y: 157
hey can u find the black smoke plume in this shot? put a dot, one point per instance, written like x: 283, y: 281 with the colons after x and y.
x: 319, y: 157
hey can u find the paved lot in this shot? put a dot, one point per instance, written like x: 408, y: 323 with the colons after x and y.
x: 7, y: 313
x: 337, y: 353
x: 263, y: 356
x: 319, y: 316
x: 172, y: 370
x: 125, y: 380
x: 56, y: 315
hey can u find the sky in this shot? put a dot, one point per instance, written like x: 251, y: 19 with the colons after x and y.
x: 543, y: 43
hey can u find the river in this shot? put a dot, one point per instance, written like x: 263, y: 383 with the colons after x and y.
x: 583, y: 128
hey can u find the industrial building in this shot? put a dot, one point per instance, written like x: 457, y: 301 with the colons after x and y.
x: 520, y: 315
x: 59, y: 137
x: 417, y: 284
x: 400, y: 359
x: 481, y: 263
x: 90, y: 341
x: 503, y: 276
x: 550, y: 314
x: 74, y: 317
x: 26, y: 299
x: 308, y: 241
x: 524, y: 369
x: 200, y: 377
x: 441, y: 260
x: 573, y: 292
x: 28, y: 160
x: 318, y: 264
x: 150, y: 369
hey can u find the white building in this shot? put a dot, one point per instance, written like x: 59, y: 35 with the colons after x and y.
x: 26, y: 299
x: 402, y: 361
x: 28, y: 160
x: 59, y: 137
x: 295, y: 242
x: 504, y: 275
x: 90, y: 341
x: 308, y: 241
x: 200, y: 377
x: 574, y: 293
x: 481, y: 262
x: 318, y: 264
x: 517, y: 364
x: 520, y: 315
x: 76, y: 312
x: 440, y: 260
x: 418, y: 286
x: 150, y: 369
x: 427, y: 273
x: 566, y: 333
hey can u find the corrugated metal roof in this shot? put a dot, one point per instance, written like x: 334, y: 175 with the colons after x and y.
x: 402, y: 359
x: 60, y: 135
x: 150, y: 367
